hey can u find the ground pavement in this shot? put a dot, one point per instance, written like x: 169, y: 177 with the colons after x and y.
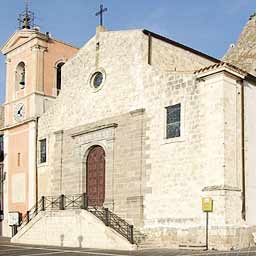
x: 10, y: 249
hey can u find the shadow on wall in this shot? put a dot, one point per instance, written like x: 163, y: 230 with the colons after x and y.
x: 61, y: 240
x: 80, y: 240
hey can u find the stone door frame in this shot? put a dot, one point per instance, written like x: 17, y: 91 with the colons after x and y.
x: 104, y: 137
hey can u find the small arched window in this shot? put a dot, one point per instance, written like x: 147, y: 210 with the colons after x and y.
x: 20, y: 76
x: 58, y: 85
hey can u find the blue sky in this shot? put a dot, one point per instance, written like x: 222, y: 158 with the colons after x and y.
x: 206, y: 25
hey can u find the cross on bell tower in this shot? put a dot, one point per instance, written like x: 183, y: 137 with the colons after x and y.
x: 100, y: 13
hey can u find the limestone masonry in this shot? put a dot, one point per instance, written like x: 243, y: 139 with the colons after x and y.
x: 146, y: 126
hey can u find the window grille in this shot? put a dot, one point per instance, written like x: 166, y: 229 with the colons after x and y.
x: 43, y: 156
x: 173, y: 121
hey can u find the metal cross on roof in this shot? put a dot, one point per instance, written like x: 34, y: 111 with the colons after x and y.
x: 100, y: 13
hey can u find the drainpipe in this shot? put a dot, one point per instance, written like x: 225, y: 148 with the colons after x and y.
x: 36, y: 169
x: 243, y: 150
x: 61, y: 162
x: 149, y: 49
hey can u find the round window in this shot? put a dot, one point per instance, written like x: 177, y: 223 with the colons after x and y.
x: 97, y: 79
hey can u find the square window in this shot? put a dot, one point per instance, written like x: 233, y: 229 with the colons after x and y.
x: 173, y: 121
x: 42, y: 150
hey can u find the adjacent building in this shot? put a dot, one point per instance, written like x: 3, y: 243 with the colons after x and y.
x: 33, y: 80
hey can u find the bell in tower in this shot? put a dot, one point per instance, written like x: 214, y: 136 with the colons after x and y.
x: 22, y: 81
x: 20, y: 76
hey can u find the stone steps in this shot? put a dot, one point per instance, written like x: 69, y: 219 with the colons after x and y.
x: 71, y: 228
x: 149, y: 245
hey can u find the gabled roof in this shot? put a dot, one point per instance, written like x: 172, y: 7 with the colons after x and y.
x: 224, y: 66
x: 184, y: 47
x: 221, y: 64
x: 23, y: 36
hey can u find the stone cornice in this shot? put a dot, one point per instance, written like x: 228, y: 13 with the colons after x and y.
x: 93, y: 129
x: 33, y: 119
x: 26, y: 96
x: 137, y: 112
x: 30, y: 35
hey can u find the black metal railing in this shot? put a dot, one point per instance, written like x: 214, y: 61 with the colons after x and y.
x: 79, y: 201
x: 112, y: 220
x: 26, y: 218
x: 63, y: 202
x: 121, y: 226
x: 50, y: 203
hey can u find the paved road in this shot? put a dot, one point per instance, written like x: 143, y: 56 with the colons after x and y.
x: 10, y: 249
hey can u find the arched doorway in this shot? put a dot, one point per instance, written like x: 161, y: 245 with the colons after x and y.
x: 95, y: 176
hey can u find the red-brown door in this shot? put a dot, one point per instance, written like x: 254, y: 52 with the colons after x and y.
x: 95, y: 176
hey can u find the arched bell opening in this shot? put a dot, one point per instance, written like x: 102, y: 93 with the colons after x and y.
x: 58, y: 77
x: 20, y: 82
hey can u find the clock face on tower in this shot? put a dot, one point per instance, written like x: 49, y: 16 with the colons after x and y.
x: 19, y: 112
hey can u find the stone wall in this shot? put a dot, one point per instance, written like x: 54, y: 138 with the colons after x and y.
x: 204, y: 161
x: 178, y: 169
x: 250, y: 160
x: 153, y: 182
x: 166, y: 56
x: 123, y: 93
x: 123, y: 57
x: 122, y: 138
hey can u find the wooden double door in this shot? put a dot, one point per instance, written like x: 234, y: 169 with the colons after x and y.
x: 95, y: 176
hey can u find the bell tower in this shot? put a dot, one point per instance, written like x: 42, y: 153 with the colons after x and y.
x: 33, y: 81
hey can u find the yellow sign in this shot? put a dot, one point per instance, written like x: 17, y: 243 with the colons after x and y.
x: 207, y: 204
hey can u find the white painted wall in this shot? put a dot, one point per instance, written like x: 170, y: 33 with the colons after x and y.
x: 250, y: 148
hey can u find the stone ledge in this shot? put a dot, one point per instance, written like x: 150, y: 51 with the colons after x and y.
x: 221, y: 187
x: 137, y: 112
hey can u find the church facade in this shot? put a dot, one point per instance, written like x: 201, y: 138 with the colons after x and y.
x: 146, y: 127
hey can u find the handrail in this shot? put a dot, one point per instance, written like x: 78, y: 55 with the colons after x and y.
x: 79, y: 201
x: 30, y: 214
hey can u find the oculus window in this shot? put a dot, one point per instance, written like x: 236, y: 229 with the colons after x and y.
x: 43, y: 157
x: 97, y: 80
x: 173, y: 121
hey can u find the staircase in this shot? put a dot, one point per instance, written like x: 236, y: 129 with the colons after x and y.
x: 53, y: 211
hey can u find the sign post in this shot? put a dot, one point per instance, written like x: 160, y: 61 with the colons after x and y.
x: 14, y: 221
x: 207, y: 206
